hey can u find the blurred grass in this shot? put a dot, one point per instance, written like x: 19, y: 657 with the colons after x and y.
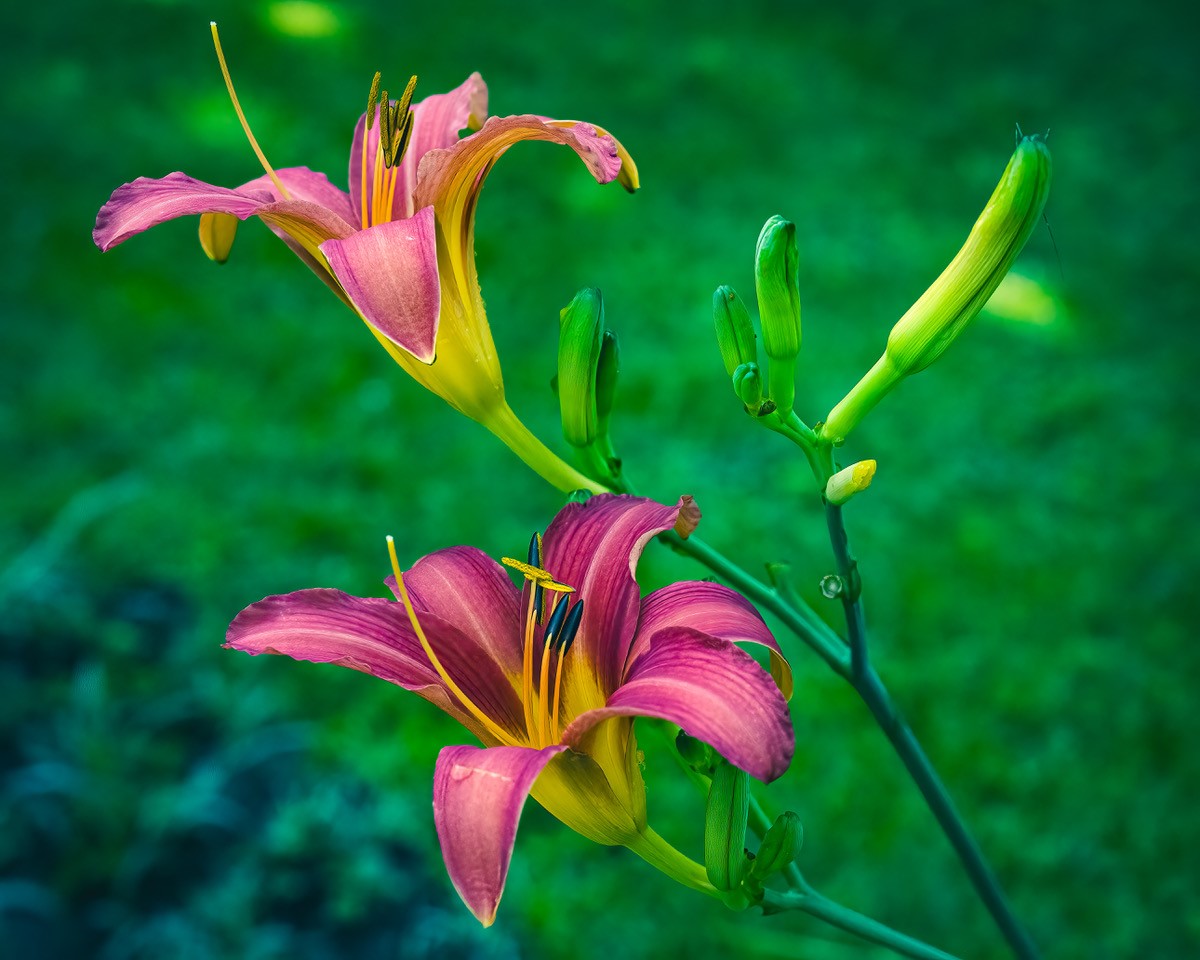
x: 1029, y: 546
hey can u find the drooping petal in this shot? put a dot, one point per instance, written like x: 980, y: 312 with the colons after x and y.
x: 437, y: 121
x: 450, y: 179
x: 466, y: 588
x: 713, y: 609
x: 714, y: 691
x: 390, y: 274
x: 478, y: 795
x: 375, y: 636
x: 594, y: 547
x: 147, y: 202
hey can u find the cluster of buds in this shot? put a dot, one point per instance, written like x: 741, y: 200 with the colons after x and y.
x: 588, y: 364
x: 776, y: 281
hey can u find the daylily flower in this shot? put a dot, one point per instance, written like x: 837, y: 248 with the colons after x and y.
x: 398, y: 247
x: 549, y: 679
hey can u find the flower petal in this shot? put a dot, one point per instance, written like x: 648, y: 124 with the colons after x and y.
x: 146, y: 202
x: 302, y: 183
x: 390, y: 274
x: 714, y: 691
x: 436, y: 122
x: 594, y: 547
x: 466, y: 588
x: 450, y: 179
x: 375, y: 636
x: 478, y: 795
x: 713, y: 609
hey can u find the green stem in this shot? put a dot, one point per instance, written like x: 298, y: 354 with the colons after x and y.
x: 814, y: 904
x: 662, y: 856
x: 823, y: 641
x: 870, y: 688
x: 536, y: 455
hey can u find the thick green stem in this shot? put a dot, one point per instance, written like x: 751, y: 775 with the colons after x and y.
x: 537, y: 456
x: 870, y: 688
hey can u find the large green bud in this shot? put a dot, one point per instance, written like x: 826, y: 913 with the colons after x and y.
x: 777, y: 282
x: 932, y: 323
x: 725, y: 820
x: 580, y: 339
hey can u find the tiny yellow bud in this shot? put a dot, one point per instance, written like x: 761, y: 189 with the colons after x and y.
x: 846, y: 483
x: 217, y: 231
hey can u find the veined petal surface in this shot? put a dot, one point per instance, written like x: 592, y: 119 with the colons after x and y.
x: 478, y: 795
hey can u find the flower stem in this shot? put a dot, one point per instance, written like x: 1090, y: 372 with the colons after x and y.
x: 536, y: 455
x: 662, y: 856
x: 814, y: 904
x: 874, y: 694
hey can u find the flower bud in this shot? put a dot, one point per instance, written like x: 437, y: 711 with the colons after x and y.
x: 846, y: 483
x: 780, y: 846
x: 735, y: 332
x: 217, y: 231
x: 607, y: 369
x: 725, y: 826
x: 935, y: 320
x: 939, y: 316
x: 747, y: 384
x: 581, y: 332
x: 777, y: 281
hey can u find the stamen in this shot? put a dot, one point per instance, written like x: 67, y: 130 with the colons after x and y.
x: 242, y: 117
x: 563, y: 643
x: 453, y: 687
x: 537, y: 575
x: 535, y: 560
x: 527, y: 669
x: 372, y: 98
x: 543, y: 699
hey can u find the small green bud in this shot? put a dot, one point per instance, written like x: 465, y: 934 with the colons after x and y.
x: 695, y: 753
x: 777, y: 281
x: 735, y: 332
x: 939, y: 316
x: 581, y: 332
x: 747, y: 384
x: 725, y: 826
x: 217, y: 232
x: 607, y: 369
x: 780, y: 846
x: 846, y: 483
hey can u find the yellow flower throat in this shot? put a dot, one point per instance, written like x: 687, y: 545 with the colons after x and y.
x: 562, y: 619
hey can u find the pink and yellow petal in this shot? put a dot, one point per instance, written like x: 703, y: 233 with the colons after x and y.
x: 713, y: 609
x: 478, y: 795
x: 390, y: 274
x: 712, y: 690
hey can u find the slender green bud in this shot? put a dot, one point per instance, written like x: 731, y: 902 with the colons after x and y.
x: 217, y: 231
x: 607, y: 369
x: 777, y: 281
x: 939, y: 316
x: 725, y: 826
x: 747, y: 384
x: 581, y: 333
x: 735, y: 332
x: 846, y: 483
x: 780, y: 846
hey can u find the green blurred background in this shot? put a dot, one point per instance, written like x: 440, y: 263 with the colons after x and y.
x: 181, y: 439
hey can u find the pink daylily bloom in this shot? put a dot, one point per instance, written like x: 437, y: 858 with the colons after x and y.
x: 398, y: 247
x: 549, y: 679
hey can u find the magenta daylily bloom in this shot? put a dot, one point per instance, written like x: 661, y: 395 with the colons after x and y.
x: 398, y: 246
x: 550, y: 677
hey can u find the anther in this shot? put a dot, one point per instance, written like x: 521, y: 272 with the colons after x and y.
x: 570, y: 628
x: 535, y: 560
x: 555, y: 624
x: 372, y: 99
